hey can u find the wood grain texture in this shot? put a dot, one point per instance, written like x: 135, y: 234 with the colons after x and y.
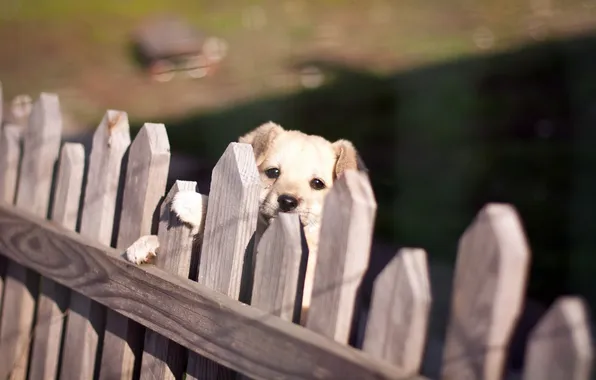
x: 399, y: 312
x: 343, y: 254
x: 231, y: 219
x: 277, y: 268
x: 205, y: 321
x: 86, y: 319
x: 10, y: 156
x: 560, y: 346
x: 176, y: 240
x: 111, y: 140
x: 488, y: 288
x: 21, y: 288
x: 145, y: 184
x: 69, y: 184
x: 41, y: 147
x: 163, y: 358
x: 144, y: 187
x: 53, y: 297
x: 230, y: 224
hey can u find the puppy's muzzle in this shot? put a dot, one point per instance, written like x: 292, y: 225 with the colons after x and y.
x: 287, y: 203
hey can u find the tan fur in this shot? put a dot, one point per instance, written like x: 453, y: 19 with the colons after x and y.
x: 260, y: 138
x: 346, y: 156
x: 300, y: 158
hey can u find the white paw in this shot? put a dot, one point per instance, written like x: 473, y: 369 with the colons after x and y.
x: 191, y: 208
x: 142, y: 250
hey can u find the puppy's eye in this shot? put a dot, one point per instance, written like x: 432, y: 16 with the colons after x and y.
x: 272, y: 173
x: 317, y: 184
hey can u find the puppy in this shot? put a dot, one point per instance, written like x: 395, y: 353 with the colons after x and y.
x: 297, y: 171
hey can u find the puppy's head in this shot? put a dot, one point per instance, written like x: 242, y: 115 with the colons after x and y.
x: 297, y: 170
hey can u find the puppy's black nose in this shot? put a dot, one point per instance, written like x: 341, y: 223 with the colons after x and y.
x: 287, y: 203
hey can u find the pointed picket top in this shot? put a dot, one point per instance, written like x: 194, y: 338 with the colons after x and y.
x: 238, y: 164
x: 145, y: 183
x: 231, y: 219
x: 560, y: 347
x: 343, y: 254
x: 489, y: 284
x: 113, y: 129
x: 399, y: 312
x: 152, y: 139
x: 10, y: 157
x: 277, y: 268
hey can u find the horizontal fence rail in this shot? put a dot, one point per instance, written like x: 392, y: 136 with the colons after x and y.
x: 235, y: 335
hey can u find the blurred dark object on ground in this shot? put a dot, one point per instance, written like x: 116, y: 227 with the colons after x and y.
x: 167, y: 44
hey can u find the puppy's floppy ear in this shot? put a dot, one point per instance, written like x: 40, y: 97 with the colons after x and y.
x: 260, y: 138
x: 347, y: 157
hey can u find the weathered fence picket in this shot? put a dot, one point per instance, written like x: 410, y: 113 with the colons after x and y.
x: 53, y: 298
x: 163, y: 358
x: 41, y: 147
x: 92, y: 309
x: 10, y: 156
x: 87, y: 318
x: 342, y: 259
x: 399, y: 312
x: 278, y: 263
x: 144, y: 186
x: 559, y: 346
x: 489, y: 283
x: 230, y: 224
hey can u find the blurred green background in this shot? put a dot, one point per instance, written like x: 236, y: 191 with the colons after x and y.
x: 452, y: 104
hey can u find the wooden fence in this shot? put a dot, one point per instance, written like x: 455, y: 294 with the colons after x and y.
x: 72, y: 308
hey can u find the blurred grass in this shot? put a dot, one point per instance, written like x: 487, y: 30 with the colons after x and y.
x: 80, y: 49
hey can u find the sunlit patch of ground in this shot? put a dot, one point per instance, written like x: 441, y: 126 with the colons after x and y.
x: 81, y: 49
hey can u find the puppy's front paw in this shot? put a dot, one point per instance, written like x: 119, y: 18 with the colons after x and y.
x: 190, y: 207
x: 143, y: 250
